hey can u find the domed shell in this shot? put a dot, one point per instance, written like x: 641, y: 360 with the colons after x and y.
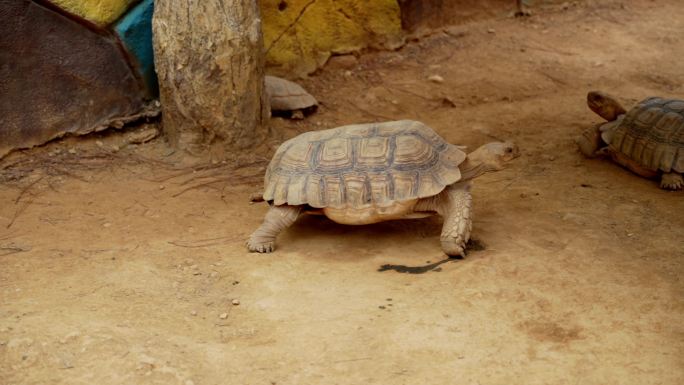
x: 652, y: 134
x: 360, y: 165
x: 285, y: 95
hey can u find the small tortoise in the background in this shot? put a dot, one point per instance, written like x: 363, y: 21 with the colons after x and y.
x: 368, y: 173
x: 648, y: 139
x: 289, y: 99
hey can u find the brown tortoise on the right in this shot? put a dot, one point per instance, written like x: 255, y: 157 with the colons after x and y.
x: 648, y: 139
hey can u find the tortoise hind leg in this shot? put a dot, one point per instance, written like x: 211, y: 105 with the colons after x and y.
x: 672, y: 181
x: 277, y: 219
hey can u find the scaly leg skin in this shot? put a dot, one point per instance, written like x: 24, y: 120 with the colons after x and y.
x: 454, y: 205
x: 277, y: 219
x: 672, y: 181
x: 520, y: 9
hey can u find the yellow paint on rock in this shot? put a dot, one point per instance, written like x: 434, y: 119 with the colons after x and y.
x: 100, y: 12
x: 300, y: 35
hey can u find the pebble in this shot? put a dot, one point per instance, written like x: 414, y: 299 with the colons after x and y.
x: 223, y: 316
x: 107, y: 224
x: 72, y: 151
x: 236, y: 302
x: 161, y: 187
x: 99, y: 143
x: 436, y: 79
x: 193, y: 313
x: 491, y: 30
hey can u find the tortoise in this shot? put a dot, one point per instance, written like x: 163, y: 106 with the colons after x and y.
x: 368, y: 173
x: 289, y: 99
x: 648, y: 139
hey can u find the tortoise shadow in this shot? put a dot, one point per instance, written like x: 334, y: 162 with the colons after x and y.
x: 366, y: 241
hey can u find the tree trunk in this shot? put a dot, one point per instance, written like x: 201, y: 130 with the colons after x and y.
x: 209, y: 60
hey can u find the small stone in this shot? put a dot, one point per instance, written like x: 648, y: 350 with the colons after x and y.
x: 491, y: 30
x: 381, y: 307
x: 161, y: 187
x: 223, y: 316
x: 213, y: 274
x: 436, y: 79
x: 347, y: 73
x: 115, y: 148
x: 99, y: 143
x: 143, y: 135
x: 72, y: 151
x: 193, y: 313
x: 106, y: 224
x: 236, y: 302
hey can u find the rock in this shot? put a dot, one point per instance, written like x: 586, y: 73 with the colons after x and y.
x: 143, y: 135
x: 223, y: 316
x: 193, y: 313
x: 101, y: 12
x: 436, y: 79
x: 236, y: 302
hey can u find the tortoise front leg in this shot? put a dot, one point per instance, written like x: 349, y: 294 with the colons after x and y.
x: 277, y: 219
x: 672, y: 181
x: 454, y: 205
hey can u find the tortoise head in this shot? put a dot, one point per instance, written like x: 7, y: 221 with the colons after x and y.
x: 494, y: 156
x: 604, y: 105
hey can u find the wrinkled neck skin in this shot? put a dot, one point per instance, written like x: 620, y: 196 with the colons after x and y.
x: 608, y: 128
x: 475, y: 166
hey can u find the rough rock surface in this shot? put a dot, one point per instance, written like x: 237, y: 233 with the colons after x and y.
x: 300, y: 35
x: 210, y: 67
x: 58, y: 76
x: 100, y: 12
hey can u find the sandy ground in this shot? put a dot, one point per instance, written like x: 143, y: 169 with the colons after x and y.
x: 119, y: 267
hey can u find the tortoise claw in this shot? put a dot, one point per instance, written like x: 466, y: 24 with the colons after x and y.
x: 260, y: 247
x: 672, y: 181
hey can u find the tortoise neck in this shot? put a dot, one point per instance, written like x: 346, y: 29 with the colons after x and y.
x: 473, y: 167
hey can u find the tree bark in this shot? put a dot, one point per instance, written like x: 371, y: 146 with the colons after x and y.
x: 209, y: 60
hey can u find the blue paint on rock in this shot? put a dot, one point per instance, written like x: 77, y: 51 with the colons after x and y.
x: 135, y: 30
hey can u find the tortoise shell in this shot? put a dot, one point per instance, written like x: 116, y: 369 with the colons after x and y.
x: 651, y: 134
x: 285, y: 95
x: 360, y: 165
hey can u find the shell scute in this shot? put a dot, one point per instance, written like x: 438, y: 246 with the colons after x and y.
x: 652, y: 134
x: 360, y: 165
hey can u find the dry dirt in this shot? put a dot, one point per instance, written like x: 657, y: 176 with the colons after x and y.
x: 120, y: 267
